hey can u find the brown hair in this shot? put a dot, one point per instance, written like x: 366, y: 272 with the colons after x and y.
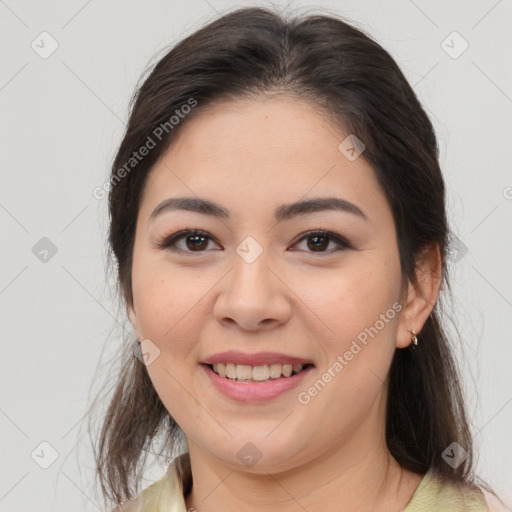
x: 337, y: 67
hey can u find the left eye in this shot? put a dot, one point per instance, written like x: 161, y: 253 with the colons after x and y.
x: 320, y: 240
x: 197, y: 241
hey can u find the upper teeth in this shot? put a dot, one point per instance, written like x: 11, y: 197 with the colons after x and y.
x: 264, y: 372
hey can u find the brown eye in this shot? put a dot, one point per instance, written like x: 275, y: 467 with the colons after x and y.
x: 196, y: 242
x: 188, y: 241
x: 319, y: 241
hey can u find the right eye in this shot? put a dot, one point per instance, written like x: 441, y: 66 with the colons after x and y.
x: 194, y: 241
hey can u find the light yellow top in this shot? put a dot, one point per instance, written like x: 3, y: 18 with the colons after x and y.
x: 432, y: 495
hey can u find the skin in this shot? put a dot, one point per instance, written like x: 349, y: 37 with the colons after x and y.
x: 251, y: 156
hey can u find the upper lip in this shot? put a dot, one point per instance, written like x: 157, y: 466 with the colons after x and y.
x: 256, y: 359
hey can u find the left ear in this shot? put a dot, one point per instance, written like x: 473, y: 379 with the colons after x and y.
x: 422, y: 296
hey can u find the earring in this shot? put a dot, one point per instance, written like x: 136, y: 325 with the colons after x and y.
x: 414, y: 338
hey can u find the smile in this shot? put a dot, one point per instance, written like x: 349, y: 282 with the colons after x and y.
x: 260, y: 373
x: 251, y: 390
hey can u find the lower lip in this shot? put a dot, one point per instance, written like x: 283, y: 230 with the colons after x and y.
x: 257, y: 391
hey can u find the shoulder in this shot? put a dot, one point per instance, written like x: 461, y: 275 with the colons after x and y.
x: 494, y: 503
x: 165, y: 494
x: 434, y: 493
x: 129, y: 506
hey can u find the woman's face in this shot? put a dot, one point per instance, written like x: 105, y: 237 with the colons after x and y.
x: 255, y: 282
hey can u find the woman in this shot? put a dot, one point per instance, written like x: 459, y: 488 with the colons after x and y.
x: 279, y: 229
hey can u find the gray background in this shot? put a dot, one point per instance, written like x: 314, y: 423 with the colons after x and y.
x: 62, y: 118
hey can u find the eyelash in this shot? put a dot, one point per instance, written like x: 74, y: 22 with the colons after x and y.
x: 169, y: 242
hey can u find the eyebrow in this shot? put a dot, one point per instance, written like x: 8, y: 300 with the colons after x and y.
x: 282, y: 213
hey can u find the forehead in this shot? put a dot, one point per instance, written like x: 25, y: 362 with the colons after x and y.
x: 253, y: 154
x: 266, y: 130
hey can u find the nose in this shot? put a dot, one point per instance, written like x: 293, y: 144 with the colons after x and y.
x: 253, y: 297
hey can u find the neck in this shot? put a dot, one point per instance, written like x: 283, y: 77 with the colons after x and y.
x: 358, y: 475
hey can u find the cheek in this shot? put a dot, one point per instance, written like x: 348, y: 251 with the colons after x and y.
x: 169, y: 299
x: 169, y: 303
x: 356, y: 318
x: 353, y: 296
x: 356, y: 310
x: 172, y: 305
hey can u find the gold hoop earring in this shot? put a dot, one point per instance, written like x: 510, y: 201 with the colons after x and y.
x: 414, y: 338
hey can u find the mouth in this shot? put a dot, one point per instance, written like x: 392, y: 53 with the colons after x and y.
x: 257, y: 374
